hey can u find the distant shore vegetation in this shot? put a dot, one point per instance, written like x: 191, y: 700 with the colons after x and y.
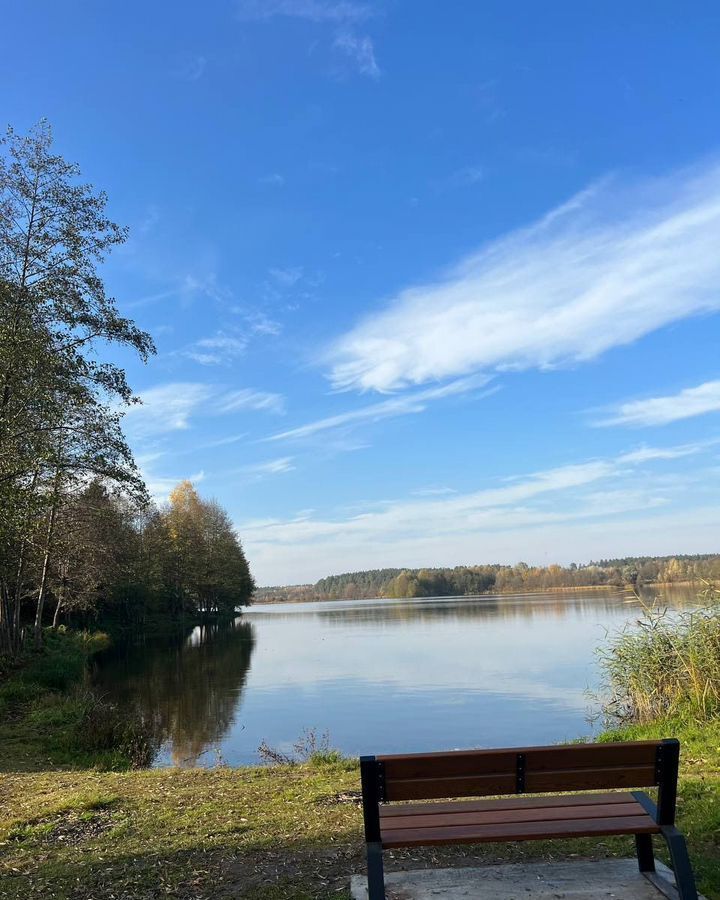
x: 460, y: 581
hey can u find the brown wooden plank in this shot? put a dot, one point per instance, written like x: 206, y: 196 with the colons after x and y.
x: 591, y: 756
x: 499, y: 816
x: 588, y: 779
x: 522, y: 831
x: 457, y: 763
x: 462, y: 786
x: 625, y: 745
x: 513, y: 802
x: 450, y: 765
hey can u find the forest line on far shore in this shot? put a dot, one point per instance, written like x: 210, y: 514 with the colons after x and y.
x: 630, y: 571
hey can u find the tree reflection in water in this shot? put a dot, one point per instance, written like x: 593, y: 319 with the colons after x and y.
x: 187, y: 688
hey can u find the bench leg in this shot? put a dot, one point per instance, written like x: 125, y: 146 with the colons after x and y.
x: 684, y: 878
x: 644, y: 849
x: 376, y: 878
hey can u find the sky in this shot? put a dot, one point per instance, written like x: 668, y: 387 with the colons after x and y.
x: 431, y: 284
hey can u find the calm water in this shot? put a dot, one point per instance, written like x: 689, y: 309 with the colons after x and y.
x: 377, y: 675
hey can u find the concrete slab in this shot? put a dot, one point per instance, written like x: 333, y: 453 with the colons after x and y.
x: 618, y: 879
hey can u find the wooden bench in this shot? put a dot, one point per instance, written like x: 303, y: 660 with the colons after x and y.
x: 388, y: 782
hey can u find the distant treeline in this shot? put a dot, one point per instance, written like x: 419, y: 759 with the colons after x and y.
x: 467, y: 580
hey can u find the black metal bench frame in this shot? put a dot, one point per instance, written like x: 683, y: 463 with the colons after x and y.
x: 378, y: 790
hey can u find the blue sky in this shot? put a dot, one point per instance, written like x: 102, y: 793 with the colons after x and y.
x: 431, y: 284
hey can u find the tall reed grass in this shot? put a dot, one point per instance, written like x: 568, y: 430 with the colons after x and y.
x: 666, y: 663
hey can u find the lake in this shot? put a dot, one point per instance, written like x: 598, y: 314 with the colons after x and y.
x: 379, y: 676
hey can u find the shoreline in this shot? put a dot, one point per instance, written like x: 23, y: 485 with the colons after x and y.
x: 563, y: 589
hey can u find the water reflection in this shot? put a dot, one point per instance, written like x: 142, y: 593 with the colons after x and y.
x: 379, y: 675
x: 188, y: 689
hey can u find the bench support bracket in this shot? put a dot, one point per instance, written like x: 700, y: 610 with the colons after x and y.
x: 684, y: 878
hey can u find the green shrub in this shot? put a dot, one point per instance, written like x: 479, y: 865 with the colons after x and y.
x: 327, y: 757
x: 101, y: 727
x: 17, y: 693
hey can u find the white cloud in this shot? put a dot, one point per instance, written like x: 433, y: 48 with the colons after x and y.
x: 487, y: 525
x: 465, y: 177
x: 187, y: 289
x: 360, y: 50
x: 287, y: 277
x: 165, y: 408
x: 646, y: 454
x: 333, y: 11
x: 342, y: 15
x: 613, y: 264
x: 192, y: 68
x: 271, y: 467
x: 696, y: 401
x: 274, y: 179
x: 434, y: 492
x: 246, y: 398
x: 220, y: 349
x: 396, y: 406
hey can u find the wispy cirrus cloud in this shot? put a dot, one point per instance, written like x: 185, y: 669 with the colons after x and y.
x: 414, y: 402
x: 170, y: 407
x: 286, y: 277
x: 547, y: 512
x: 192, y: 68
x: 247, y: 398
x: 360, y: 50
x: 186, y: 290
x: 695, y: 401
x: 165, y: 408
x: 344, y: 16
x: 334, y: 11
x: 463, y: 177
x: 273, y: 179
x: 219, y: 349
x: 615, y: 263
x: 268, y: 467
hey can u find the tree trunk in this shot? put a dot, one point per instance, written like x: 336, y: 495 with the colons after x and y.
x: 42, y: 591
x: 56, y: 615
x: 6, y: 643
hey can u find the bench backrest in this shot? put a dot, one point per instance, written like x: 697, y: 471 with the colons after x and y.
x: 482, y: 773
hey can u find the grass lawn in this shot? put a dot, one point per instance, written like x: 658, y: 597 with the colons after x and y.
x: 261, y: 833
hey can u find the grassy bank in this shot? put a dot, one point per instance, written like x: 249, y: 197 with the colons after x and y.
x: 50, y: 717
x: 282, y: 833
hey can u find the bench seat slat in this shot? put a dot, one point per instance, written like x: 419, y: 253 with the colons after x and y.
x: 519, y: 831
x: 419, y: 809
x: 501, y: 816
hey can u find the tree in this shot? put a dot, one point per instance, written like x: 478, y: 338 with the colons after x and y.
x: 206, y: 565
x: 60, y: 406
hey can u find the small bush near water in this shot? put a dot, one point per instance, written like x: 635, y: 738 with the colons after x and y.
x: 665, y: 665
x: 311, y: 748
